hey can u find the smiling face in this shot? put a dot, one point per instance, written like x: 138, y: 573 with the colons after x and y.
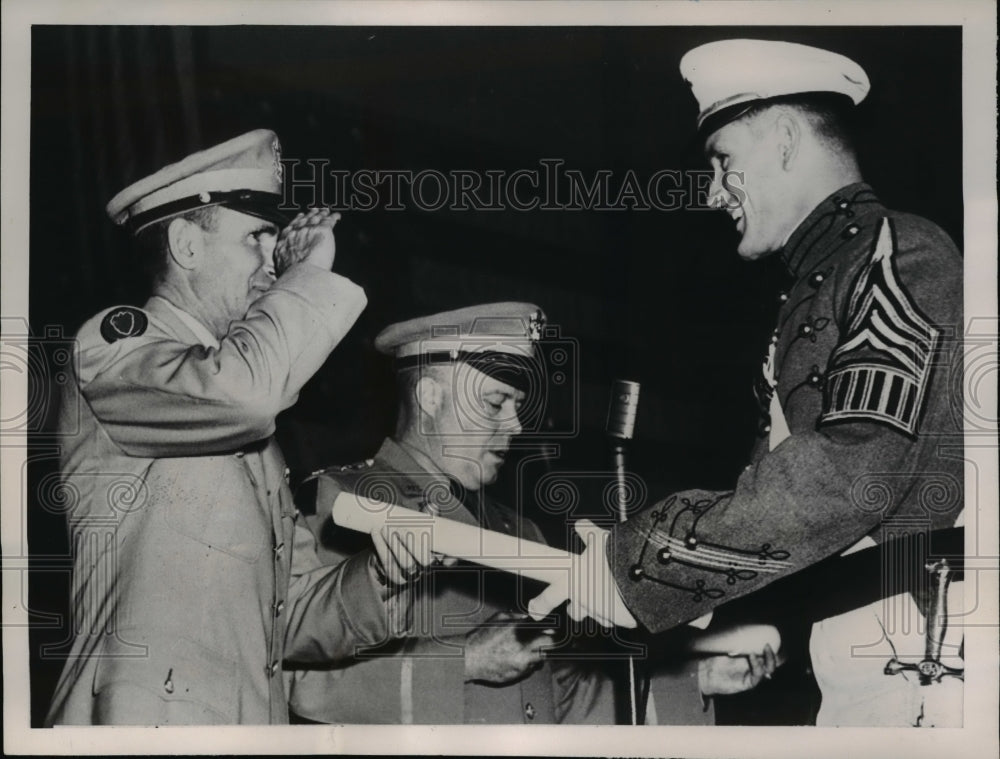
x: 470, y: 427
x: 751, y: 183
x: 237, y: 267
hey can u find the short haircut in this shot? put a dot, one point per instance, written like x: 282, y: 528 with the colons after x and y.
x: 829, y: 115
x: 408, y: 411
x: 153, y: 243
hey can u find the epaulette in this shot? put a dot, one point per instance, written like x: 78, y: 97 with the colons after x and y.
x: 304, y: 484
x: 359, y: 466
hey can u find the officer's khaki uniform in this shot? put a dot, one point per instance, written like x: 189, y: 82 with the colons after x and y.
x: 193, y: 581
x: 421, y: 680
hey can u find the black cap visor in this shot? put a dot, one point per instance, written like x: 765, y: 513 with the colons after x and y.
x: 263, y: 205
x: 518, y: 371
x: 832, y: 100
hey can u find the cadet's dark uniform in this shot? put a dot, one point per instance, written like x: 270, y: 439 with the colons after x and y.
x: 868, y: 376
x: 421, y: 680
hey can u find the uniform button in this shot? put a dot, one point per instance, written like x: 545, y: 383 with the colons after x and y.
x: 842, y: 205
x: 663, y: 555
x: 278, y: 608
x: 850, y: 231
x: 635, y: 573
x: 691, y: 541
x: 529, y: 711
x: 816, y: 279
x: 272, y: 669
x: 805, y: 330
x: 783, y: 297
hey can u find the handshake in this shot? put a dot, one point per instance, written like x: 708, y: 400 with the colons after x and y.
x: 406, y: 541
x: 731, y: 660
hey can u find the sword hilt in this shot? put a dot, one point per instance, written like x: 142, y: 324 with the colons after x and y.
x: 930, y: 669
x: 937, y: 620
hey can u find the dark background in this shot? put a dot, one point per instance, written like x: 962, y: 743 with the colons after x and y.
x: 657, y: 297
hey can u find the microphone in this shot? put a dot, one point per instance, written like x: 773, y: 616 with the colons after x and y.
x: 620, y: 427
x: 622, y: 409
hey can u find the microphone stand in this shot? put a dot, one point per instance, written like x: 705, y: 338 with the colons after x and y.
x: 619, y: 453
x: 620, y: 427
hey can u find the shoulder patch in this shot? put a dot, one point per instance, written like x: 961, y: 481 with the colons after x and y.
x: 880, y: 370
x: 123, y: 322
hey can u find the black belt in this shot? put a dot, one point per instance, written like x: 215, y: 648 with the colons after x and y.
x: 842, y: 583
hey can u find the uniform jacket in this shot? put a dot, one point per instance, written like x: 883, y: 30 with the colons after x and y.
x: 866, y: 404
x: 420, y: 680
x: 192, y: 580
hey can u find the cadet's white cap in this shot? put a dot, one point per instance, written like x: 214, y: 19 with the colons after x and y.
x: 243, y: 173
x: 729, y: 77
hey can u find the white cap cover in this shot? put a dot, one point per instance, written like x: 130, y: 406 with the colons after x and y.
x: 732, y: 73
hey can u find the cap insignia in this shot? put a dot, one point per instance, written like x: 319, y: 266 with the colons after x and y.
x: 535, y: 324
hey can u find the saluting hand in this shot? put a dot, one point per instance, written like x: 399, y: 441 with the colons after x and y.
x: 501, y: 651
x: 309, y: 237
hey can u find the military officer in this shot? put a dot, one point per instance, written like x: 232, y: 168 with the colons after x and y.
x: 193, y: 582
x: 463, y: 376
x: 456, y: 418
x: 859, y: 439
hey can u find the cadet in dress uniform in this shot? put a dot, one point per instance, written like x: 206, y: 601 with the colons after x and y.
x: 193, y: 582
x: 860, y: 389
x: 463, y: 376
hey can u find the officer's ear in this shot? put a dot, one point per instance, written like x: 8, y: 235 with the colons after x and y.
x: 186, y: 241
x: 429, y: 395
x: 788, y: 132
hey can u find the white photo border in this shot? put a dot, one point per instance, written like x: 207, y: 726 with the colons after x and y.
x: 977, y: 738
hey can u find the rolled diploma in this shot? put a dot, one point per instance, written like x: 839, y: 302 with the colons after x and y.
x: 457, y: 539
x: 512, y: 554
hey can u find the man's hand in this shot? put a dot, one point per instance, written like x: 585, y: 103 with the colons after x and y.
x: 590, y: 586
x: 400, y: 556
x: 308, y: 238
x: 500, y: 651
x: 724, y: 675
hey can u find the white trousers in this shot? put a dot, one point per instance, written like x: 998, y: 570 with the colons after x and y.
x: 849, y: 653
